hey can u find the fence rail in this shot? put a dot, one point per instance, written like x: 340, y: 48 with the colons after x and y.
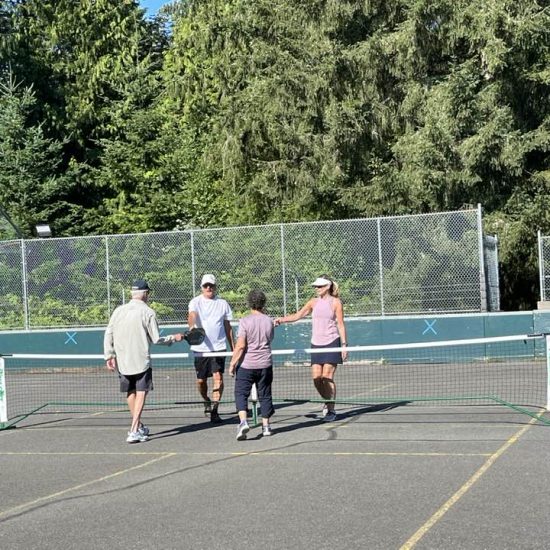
x: 432, y: 263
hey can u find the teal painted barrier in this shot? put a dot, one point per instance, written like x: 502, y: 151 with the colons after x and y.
x: 360, y: 331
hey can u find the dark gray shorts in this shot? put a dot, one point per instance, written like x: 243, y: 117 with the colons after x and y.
x: 130, y: 383
x: 205, y: 366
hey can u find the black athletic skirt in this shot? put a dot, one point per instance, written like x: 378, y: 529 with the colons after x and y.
x: 324, y: 357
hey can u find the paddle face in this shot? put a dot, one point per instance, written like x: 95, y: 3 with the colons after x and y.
x: 195, y: 336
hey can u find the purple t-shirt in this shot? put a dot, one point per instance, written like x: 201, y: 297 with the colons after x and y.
x: 257, y: 330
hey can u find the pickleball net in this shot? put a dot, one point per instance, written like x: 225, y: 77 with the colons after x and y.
x: 510, y: 371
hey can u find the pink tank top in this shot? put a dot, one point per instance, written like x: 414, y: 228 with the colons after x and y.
x: 324, y: 328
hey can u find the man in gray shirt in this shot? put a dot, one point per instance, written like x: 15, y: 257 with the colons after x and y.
x: 132, y: 329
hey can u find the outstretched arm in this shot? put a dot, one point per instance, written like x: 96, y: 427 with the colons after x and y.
x: 300, y: 314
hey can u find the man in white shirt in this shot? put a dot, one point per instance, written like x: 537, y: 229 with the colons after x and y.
x: 213, y: 314
x: 133, y: 327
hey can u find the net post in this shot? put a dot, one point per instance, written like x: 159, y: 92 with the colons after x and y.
x: 3, y: 396
x: 254, y: 398
x: 547, y: 349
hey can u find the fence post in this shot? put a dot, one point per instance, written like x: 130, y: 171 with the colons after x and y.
x: 283, y: 267
x: 24, y: 284
x: 482, y: 278
x: 193, y: 261
x: 547, y: 349
x: 3, y: 396
x: 108, y: 276
x: 380, y: 268
x: 541, y: 267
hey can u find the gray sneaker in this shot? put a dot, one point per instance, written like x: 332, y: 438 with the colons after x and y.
x: 330, y: 416
x: 136, y: 437
x: 143, y: 429
x: 244, y: 428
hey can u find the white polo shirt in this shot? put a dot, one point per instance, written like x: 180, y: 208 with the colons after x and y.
x: 210, y: 315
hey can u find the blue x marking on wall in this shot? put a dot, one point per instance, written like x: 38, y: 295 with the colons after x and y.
x: 70, y: 338
x: 430, y: 326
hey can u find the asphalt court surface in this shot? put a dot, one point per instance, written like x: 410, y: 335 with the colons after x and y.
x: 403, y: 477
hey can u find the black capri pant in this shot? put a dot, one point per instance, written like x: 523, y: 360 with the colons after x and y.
x: 243, y: 385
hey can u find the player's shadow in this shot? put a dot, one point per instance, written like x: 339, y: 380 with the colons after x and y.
x: 380, y: 407
x: 189, y: 428
x: 314, y: 419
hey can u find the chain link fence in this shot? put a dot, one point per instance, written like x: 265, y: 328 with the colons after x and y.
x: 544, y: 266
x: 433, y: 263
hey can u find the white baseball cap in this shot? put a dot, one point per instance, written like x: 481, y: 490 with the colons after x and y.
x: 208, y: 278
x: 321, y: 281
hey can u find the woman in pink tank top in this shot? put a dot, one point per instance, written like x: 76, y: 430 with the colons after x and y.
x: 328, y: 331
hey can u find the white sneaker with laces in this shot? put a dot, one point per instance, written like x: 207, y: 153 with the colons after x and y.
x: 244, y: 428
x: 136, y: 437
x: 266, y: 430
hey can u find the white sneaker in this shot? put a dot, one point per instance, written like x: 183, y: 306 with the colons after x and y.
x: 266, y: 430
x: 136, y: 437
x: 143, y: 429
x: 244, y: 428
x: 324, y: 411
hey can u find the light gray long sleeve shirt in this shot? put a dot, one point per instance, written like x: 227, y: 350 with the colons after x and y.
x: 132, y: 329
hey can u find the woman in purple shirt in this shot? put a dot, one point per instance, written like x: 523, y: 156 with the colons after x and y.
x: 328, y: 331
x: 253, y: 355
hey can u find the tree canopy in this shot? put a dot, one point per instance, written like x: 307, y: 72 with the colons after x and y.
x: 226, y: 112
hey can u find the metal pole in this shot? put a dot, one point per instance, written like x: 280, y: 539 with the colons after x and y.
x: 24, y: 284
x: 547, y: 342
x: 193, y: 261
x: 541, y: 267
x: 380, y: 268
x: 497, y: 274
x: 3, y: 395
x: 482, y: 278
x: 283, y: 267
x: 108, y: 276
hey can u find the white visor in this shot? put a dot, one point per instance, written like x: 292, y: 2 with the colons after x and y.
x: 321, y: 281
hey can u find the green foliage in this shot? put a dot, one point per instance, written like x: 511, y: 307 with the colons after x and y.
x: 224, y: 112
x: 29, y: 185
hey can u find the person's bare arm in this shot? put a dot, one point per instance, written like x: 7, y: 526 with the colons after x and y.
x: 339, y: 310
x: 237, y: 354
x: 229, y: 334
x: 300, y: 314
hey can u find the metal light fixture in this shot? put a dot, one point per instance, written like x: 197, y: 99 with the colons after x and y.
x: 43, y: 230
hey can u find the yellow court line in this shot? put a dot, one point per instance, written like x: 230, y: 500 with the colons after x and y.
x: 411, y: 543
x: 21, y: 507
x: 242, y: 453
x: 383, y: 453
